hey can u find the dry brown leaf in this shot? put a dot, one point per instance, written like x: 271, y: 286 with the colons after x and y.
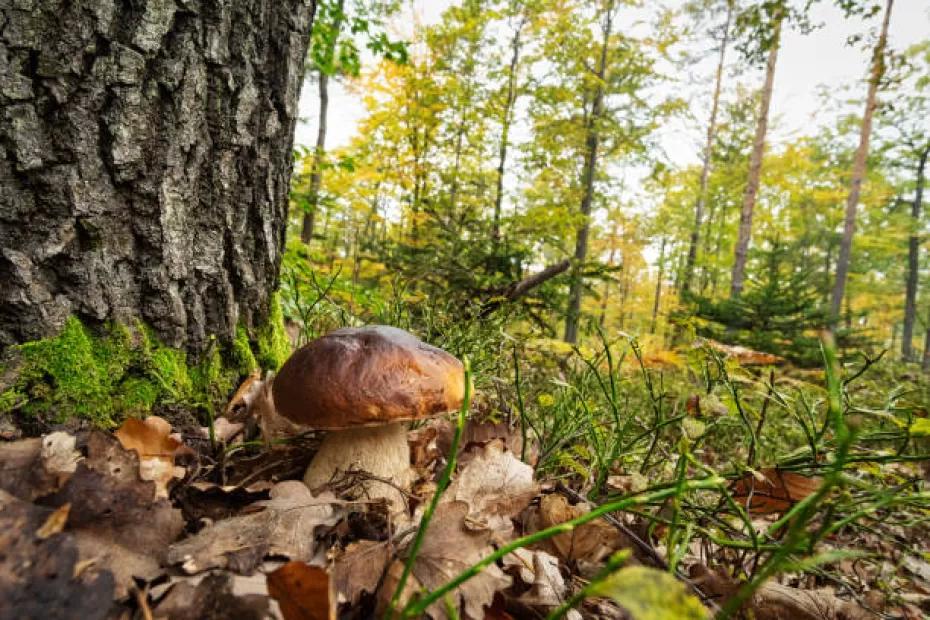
x: 744, y: 355
x: 241, y: 401
x: 540, y: 572
x: 286, y: 528
x: 214, y: 596
x: 22, y: 470
x: 55, y: 522
x: 37, y: 575
x: 590, y: 542
x: 448, y: 548
x: 151, y: 440
x: 496, y: 485
x: 359, y: 569
x: 772, y: 490
x: 223, y: 429
x: 478, y: 433
x: 303, y: 592
x: 774, y: 601
x: 115, y: 517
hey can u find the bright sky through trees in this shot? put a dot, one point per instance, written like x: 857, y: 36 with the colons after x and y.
x: 808, y: 64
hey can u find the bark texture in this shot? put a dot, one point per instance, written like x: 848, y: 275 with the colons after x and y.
x: 146, y: 155
x: 755, y: 169
x: 913, y: 261
x: 588, y: 173
x: 695, y: 238
x: 859, y: 165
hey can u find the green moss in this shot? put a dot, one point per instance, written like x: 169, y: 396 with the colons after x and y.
x: 274, y: 347
x: 121, y: 371
x: 242, y: 354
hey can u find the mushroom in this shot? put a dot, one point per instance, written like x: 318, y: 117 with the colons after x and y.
x: 362, y: 385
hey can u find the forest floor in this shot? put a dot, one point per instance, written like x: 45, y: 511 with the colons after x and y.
x: 631, y: 515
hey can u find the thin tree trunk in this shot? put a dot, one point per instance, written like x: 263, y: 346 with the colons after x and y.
x: 859, y: 162
x: 592, y: 140
x: 506, y: 119
x: 610, y: 262
x: 316, y: 170
x: 913, y: 263
x: 925, y: 364
x: 146, y: 163
x: 755, y: 168
x: 706, y: 159
x: 658, y: 296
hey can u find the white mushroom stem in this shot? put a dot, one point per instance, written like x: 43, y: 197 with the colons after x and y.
x: 382, y: 451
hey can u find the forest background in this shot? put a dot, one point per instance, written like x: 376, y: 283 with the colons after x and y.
x: 467, y: 171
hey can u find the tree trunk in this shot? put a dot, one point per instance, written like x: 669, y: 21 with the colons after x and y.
x: 316, y: 170
x: 913, y: 263
x: 658, y: 296
x: 755, y: 169
x: 506, y: 119
x: 146, y: 161
x: 858, y: 172
x: 592, y: 140
x: 706, y: 158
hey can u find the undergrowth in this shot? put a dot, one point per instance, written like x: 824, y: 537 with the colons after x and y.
x: 664, y: 437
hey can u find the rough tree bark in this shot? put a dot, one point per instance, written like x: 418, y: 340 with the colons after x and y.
x: 755, y: 168
x: 146, y: 155
x: 859, y: 161
x: 695, y: 239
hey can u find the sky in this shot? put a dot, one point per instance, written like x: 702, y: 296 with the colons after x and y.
x: 806, y: 65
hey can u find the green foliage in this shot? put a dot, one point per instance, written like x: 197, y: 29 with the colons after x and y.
x: 779, y: 312
x: 650, y: 594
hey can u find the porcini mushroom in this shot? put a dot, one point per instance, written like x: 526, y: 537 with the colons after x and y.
x: 362, y: 385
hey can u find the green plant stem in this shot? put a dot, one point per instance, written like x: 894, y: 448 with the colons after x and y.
x: 440, y: 488
x: 415, y: 608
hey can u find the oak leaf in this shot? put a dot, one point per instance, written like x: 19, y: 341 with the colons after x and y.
x: 285, y: 526
x: 772, y: 490
x: 449, y: 548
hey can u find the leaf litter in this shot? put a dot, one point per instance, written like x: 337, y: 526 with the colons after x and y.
x: 148, y: 521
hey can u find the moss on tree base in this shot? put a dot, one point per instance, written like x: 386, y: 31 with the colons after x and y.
x: 103, y: 376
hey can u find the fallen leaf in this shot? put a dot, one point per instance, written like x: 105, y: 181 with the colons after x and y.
x: 22, y: 470
x: 774, y: 601
x: 590, y: 542
x: 359, y: 569
x: 223, y: 429
x: 212, y: 597
x: 303, y: 592
x: 242, y: 400
x: 285, y: 527
x: 540, y: 572
x: 115, y: 516
x: 772, y: 490
x: 448, y: 548
x: 628, y: 483
x: 480, y: 432
x: 58, y: 454
x: 650, y: 594
x: 743, y: 355
x: 55, y: 522
x: 496, y: 485
x: 151, y: 440
x: 38, y: 576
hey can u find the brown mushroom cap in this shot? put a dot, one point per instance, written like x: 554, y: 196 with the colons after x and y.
x: 367, y: 376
